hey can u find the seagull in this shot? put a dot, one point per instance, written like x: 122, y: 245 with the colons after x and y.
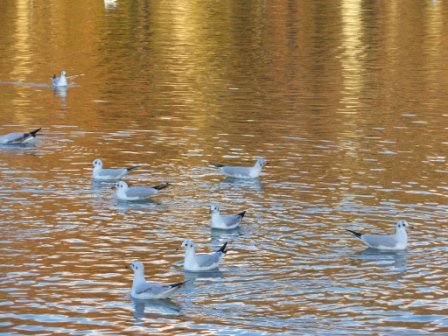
x: 61, y: 81
x: 18, y: 138
x: 242, y: 172
x: 224, y: 222
x: 125, y: 193
x: 398, y: 241
x: 149, y: 291
x: 101, y: 174
x: 201, y: 262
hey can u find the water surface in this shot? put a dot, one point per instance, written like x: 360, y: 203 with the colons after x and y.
x: 346, y: 101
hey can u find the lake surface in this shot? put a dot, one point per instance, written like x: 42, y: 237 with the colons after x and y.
x: 347, y: 102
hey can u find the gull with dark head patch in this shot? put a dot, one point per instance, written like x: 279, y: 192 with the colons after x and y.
x: 398, y: 241
x: 222, y: 222
x: 61, y: 81
x: 101, y: 174
x: 242, y: 172
x: 149, y: 291
x: 201, y: 262
x: 126, y: 193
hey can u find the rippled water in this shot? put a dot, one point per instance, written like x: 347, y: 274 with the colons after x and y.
x: 345, y: 100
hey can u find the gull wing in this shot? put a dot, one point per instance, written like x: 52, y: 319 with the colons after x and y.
x: 236, y: 171
x: 379, y: 241
x: 112, y: 172
x: 150, y: 288
x: 206, y: 260
x: 140, y: 192
x: 232, y: 220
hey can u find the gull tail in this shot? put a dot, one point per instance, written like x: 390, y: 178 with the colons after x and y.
x: 216, y: 165
x: 223, y: 248
x: 179, y: 284
x: 242, y: 214
x: 162, y: 186
x: 132, y: 168
x: 356, y: 234
x: 33, y: 133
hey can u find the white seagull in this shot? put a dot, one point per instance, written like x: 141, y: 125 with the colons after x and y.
x: 18, y: 138
x: 101, y: 174
x: 149, y: 291
x: 201, y: 262
x: 125, y: 193
x: 242, y: 172
x: 61, y: 81
x: 219, y: 221
x: 398, y: 241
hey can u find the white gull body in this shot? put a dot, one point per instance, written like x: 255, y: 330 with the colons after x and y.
x: 101, y: 174
x: 242, y: 172
x: 222, y: 222
x: 149, y: 291
x: 398, y: 241
x: 201, y: 262
x: 125, y: 193
x: 61, y: 81
x: 18, y: 138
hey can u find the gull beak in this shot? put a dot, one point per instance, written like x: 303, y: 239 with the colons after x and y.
x: 114, y: 188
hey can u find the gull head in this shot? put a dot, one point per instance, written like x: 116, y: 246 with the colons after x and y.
x: 403, y: 225
x: 187, y: 244
x: 98, y: 163
x: 261, y: 162
x: 214, y: 208
x: 121, y: 185
x: 62, y: 73
x: 137, y: 267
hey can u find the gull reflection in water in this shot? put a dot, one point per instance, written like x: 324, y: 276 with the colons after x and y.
x: 144, y: 206
x: 191, y: 277
x: 245, y: 183
x: 154, y: 308
x: 385, y: 258
x: 61, y: 91
x: 100, y: 192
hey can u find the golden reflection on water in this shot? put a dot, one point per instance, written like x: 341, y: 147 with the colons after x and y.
x: 21, y: 66
x: 353, y: 55
x: 22, y: 40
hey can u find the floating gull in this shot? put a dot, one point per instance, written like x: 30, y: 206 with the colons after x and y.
x: 18, y: 138
x: 219, y: 221
x: 61, y: 81
x: 149, y: 291
x: 101, y: 174
x: 242, y: 172
x: 125, y: 193
x: 201, y: 262
x: 398, y: 241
